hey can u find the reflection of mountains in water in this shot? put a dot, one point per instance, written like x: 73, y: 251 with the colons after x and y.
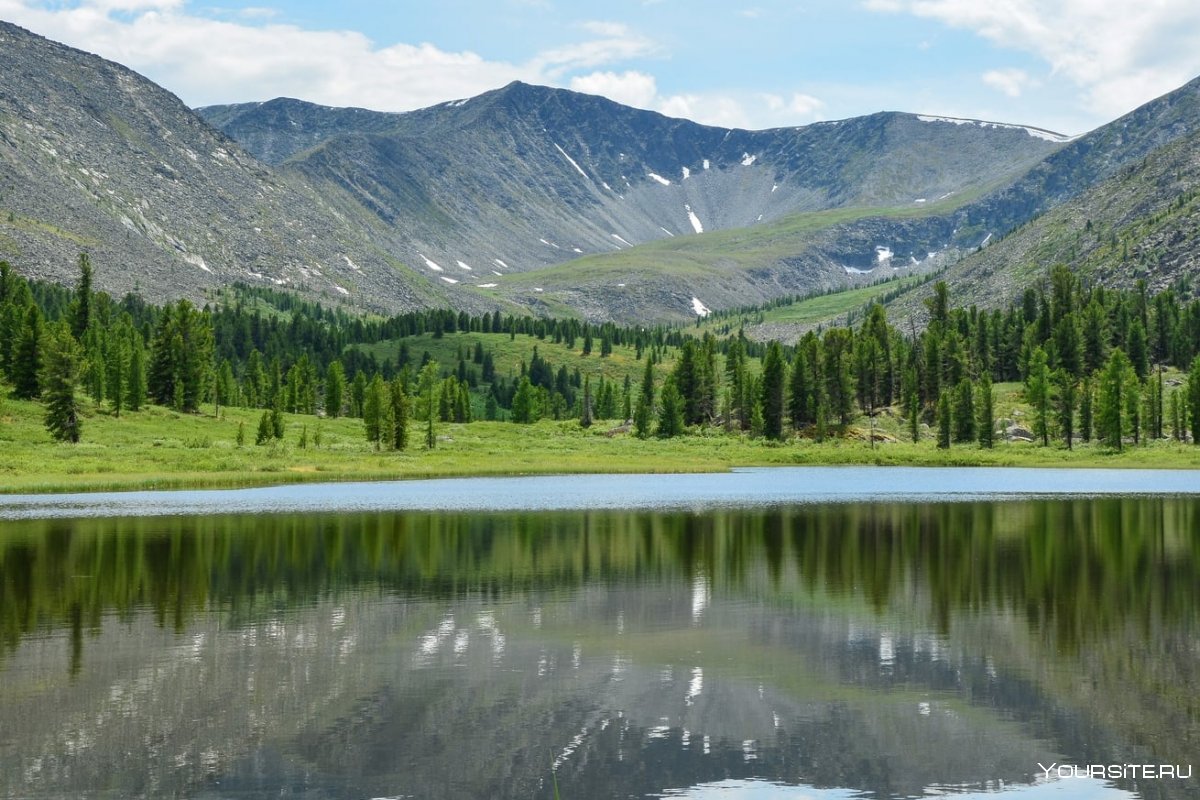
x: 463, y: 656
x: 374, y: 696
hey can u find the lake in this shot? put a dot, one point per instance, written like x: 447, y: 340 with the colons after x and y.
x: 820, y: 634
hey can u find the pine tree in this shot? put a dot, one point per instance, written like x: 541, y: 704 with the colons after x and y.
x: 771, y: 396
x: 373, y: 411
x: 60, y: 373
x: 1065, y: 397
x: 585, y: 418
x: 1037, y: 393
x: 1193, y: 399
x: 335, y: 388
x: 644, y: 413
x: 943, y: 420
x: 81, y: 308
x: 1086, y: 410
x: 914, y: 416
x: 135, y: 384
x: 1117, y: 380
x: 963, y: 412
x: 399, y: 398
x: 670, y: 412
x: 303, y: 443
x: 117, y: 373
x: 265, y: 432
x: 986, y: 424
x: 241, y: 433
x: 427, y: 387
x: 27, y: 357
x: 277, y: 428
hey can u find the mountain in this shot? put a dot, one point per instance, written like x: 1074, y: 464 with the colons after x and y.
x: 526, y: 177
x: 95, y: 158
x: 805, y: 253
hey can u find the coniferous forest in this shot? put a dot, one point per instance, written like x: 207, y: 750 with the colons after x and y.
x: 1118, y: 368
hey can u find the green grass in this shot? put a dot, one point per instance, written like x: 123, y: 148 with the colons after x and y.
x: 160, y: 449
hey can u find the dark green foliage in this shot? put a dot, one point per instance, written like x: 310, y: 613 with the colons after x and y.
x: 1193, y: 399
x: 1117, y: 382
x: 670, y: 412
x: 1037, y: 393
x: 241, y: 433
x: 914, y: 416
x: 585, y: 418
x: 771, y: 395
x: 81, y: 308
x: 399, y: 400
x: 181, y: 356
x: 373, y: 412
x: 60, y: 373
x: 963, y: 413
x: 986, y: 420
x: 1086, y: 410
x: 944, y: 421
x: 1065, y: 399
x: 27, y: 356
x: 265, y: 432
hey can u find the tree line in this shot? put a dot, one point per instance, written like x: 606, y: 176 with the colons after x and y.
x: 1091, y: 361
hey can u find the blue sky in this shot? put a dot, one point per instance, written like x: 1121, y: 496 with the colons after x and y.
x: 1065, y: 65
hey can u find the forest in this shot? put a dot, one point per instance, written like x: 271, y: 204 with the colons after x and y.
x: 1121, y: 367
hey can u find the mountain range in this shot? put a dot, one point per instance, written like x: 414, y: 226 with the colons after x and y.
x: 532, y: 199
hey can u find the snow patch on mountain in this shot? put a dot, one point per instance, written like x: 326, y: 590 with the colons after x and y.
x: 500, y: 263
x: 687, y: 173
x: 659, y: 178
x: 694, y: 219
x: 570, y: 160
x: 463, y: 265
x: 432, y: 265
x: 619, y: 239
x: 448, y: 280
x: 883, y: 254
x: 667, y: 232
x: 1037, y: 133
x: 748, y: 159
x: 699, y: 308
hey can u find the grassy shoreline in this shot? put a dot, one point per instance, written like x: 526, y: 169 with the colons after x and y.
x: 158, y: 449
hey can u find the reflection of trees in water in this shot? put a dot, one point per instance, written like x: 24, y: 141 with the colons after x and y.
x: 1072, y: 568
x: 1110, y: 583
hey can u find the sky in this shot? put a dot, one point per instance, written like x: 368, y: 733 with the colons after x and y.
x: 1064, y: 65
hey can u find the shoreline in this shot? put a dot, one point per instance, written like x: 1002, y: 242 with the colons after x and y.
x: 741, y: 488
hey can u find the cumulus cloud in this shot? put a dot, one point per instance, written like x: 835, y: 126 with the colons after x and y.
x: 637, y: 89
x: 1010, y: 82
x: 1119, y: 55
x: 230, y: 57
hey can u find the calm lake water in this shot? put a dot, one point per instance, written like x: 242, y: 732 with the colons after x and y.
x: 818, y: 642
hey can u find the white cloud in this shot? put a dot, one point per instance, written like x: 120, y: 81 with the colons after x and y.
x: 206, y: 60
x: 800, y: 106
x: 1010, y: 82
x: 1118, y: 55
x: 636, y: 89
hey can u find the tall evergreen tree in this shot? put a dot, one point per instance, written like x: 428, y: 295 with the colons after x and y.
x: 670, y: 412
x: 81, y: 307
x: 1117, y: 381
x: 1193, y: 399
x: 135, y: 385
x: 373, y: 412
x: 1065, y: 398
x: 963, y: 412
x: 27, y: 357
x: 60, y: 373
x: 644, y: 412
x: 1086, y: 410
x: 944, y: 421
x: 399, y: 398
x: 1037, y: 393
x: 986, y: 423
x: 335, y: 388
x: 585, y: 417
x: 773, y: 380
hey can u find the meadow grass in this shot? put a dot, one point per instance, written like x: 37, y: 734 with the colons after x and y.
x: 160, y: 449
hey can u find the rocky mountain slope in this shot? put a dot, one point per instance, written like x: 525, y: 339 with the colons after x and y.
x: 525, y: 176
x: 95, y: 158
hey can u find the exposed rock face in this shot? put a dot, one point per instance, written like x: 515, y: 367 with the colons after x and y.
x: 94, y: 157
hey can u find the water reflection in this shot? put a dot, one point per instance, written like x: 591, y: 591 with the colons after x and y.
x: 889, y: 650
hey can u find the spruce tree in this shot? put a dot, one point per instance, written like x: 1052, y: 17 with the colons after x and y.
x: 1086, y: 410
x: 1037, y: 393
x: 135, y: 384
x: 771, y: 396
x: 373, y: 411
x: 335, y: 388
x: 1117, y: 380
x: 1065, y: 398
x: 399, y: 398
x: 944, y: 420
x: 986, y: 423
x: 265, y: 432
x: 81, y: 308
x: 963, y: 412
x: 27, y: 357
x: 585, y: 417
x: 1193, y: 399
x: 60, y: 373
x: 914, y: 416
x: 241, y: 433
x: 670, y: 412
x: 643, y: 415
